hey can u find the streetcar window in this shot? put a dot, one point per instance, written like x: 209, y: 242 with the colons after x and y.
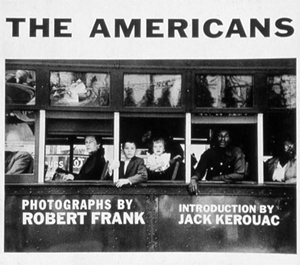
x: 60, y: 151
x: 67, y: 147
x: 282, y: 91
x: 20, y: 87
x: 149, y: 90
x: 80, y: 89
x: 170, y: 133
x: 223, y: 91
x: 280, y: 131
x: 181, y: 102
x: 244, y: 137
x: 19, y: 142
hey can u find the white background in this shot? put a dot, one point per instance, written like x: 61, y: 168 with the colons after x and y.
x: 80, y: 46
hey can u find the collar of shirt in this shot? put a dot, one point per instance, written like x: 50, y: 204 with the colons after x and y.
x: 126, y: 162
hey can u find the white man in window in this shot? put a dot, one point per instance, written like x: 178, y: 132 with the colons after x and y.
x: 224, y: 162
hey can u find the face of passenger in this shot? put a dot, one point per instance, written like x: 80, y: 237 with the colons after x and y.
x: 129, y: 150
x: 289, y: 148
x: 223, y: 138
x: 13, y: 141
x: 158, y: 148
x: 277, y: 89
x: 91, y: 144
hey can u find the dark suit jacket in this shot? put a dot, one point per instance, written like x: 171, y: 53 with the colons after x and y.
x: 136, y: 170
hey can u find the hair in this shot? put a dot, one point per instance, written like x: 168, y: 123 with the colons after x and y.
x: 98, y: 138
x: 159, y: 140
x: 128, y: 141
x: 223, y: 129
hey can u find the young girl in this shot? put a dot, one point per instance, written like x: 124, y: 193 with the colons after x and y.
x: 159, y: 162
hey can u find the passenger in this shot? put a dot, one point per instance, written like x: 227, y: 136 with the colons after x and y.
x: 18, y: 136
x: 158, y: 163
x: 93, y: 166
x: 20, y: 162
x: 283, y: 167
x: 224, y: 162
x: 132, y: 169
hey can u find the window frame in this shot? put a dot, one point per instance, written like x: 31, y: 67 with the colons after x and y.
x: 258, y: 68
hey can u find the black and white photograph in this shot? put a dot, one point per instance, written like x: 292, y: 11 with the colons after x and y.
x: 149, y: 132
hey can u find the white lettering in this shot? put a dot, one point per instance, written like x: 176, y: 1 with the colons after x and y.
x: 263, y: 209
x: 27, y: 218
x: 116, y: 219
x: 219, y: 219
x: 95, y: 217
x: 61, y: 218
x: 237, y: 219
x: 270, y: 208
x: 38, y: 218
x: 128, y: 203
x: 50, y: 219
x: 25, y: 203
x: 273, y: 221
x: 105, y: 218
x: 121, y: 204
x: 139, y: 218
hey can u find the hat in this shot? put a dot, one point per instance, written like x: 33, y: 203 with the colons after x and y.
x: 19, y: 93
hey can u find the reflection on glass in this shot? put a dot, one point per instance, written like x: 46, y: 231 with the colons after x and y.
x: 220, y: 91
x: 19, y: 142
x: 20, y: 87
x: 147, y: 90
x: 58, y: 156
x: 79, y: 89
x: 282, y: 91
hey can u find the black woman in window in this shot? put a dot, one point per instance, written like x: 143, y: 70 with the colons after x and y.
x: 282, y: 167
x: 224, y: 162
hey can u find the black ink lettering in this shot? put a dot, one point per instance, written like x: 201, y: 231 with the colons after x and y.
x: 180, y: 28
x: 195, y: 28
x: 15, y: 25
x: 58, y: 27
x: 151, y: 28
x: 289, y: 30
x: 264, y: 30
x: 34, y: 27
x: 236, y: 23
x: 207, y: 25
x: 102, y: 30
x: 135, y: 23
